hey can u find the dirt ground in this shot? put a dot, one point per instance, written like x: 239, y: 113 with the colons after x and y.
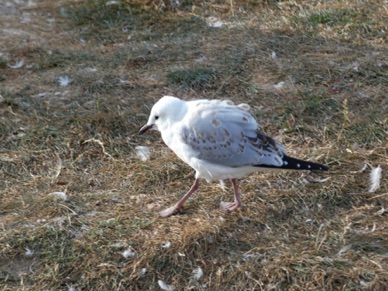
x: 78, y: 205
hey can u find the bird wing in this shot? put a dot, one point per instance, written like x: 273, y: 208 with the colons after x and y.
x: 228, y: 135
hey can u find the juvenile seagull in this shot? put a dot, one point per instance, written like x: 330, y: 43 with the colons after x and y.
x: 219, y: 140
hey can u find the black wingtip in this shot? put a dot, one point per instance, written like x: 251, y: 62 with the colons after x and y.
x: 296, y: 164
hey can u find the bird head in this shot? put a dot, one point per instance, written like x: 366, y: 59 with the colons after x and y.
x: 164, y: 113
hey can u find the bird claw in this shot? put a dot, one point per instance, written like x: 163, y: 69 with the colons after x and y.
x: 230, y: 206
x: 169, y: 211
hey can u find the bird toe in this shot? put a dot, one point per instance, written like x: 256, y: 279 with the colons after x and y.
x: 230, y: 206
x: 169, y: 211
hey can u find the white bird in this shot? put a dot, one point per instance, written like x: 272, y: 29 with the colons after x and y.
x: 219, y: 140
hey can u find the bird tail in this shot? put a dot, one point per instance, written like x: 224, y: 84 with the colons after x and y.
x: 296, y: 164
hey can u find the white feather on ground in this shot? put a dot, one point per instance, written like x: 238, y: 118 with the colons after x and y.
x: 164, y: 286
x: 64, y: 81
x: 18, y: 65
x: 166, y: 245
x: 197, y: 273
x: 142, y: 272
x: 375, y: 176
x: 28, y: 252
x: 60, y: 195
x: 143, y: 153
x: 129, y: 253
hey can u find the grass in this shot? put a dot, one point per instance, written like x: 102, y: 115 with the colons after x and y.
x: 193, y: 78
x: 333, y: 18
x: 290, y: 234
x: 3, y: 63
x: 100, y: 15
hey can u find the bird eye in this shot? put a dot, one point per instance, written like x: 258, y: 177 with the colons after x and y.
x: 156, y: 117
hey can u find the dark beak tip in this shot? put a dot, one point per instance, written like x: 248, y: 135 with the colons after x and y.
x: 145, y: 128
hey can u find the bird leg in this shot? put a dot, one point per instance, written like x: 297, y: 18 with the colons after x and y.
x: 237, y: 199
x: 174, y: 209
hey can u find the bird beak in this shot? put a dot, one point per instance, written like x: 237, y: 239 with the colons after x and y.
x: 145, y: 128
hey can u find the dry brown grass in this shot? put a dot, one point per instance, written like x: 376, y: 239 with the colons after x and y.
x: 291, y: 234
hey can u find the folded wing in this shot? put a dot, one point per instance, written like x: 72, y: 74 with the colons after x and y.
x: 228, y: 135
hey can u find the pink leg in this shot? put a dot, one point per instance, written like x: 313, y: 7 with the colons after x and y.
x: 237, y: 199
x: 174, y: 209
